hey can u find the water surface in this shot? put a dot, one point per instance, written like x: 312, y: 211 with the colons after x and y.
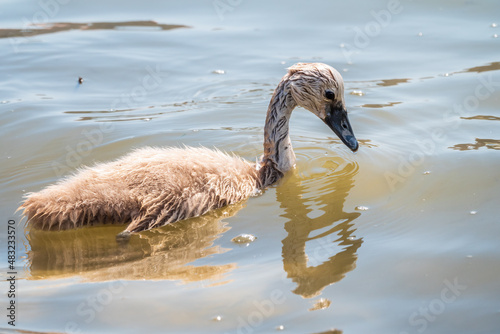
x: 400, y: 237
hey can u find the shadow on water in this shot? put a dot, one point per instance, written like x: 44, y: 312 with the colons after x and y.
x: 320, y: 248
x: 161, y: 254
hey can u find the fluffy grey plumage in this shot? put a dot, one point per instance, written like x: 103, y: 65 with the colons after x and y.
x: 152, y: 187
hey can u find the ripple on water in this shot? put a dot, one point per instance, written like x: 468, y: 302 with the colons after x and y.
x: 321, y: 171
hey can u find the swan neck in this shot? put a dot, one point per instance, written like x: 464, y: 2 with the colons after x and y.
x: 278, y: 151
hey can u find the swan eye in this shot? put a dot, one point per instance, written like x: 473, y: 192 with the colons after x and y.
x: 330, y: 95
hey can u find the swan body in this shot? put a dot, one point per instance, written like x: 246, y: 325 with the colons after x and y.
x: 149, y: 187
x: 152, y: 187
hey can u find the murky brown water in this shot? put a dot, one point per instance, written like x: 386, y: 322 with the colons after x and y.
x: 401, y: 237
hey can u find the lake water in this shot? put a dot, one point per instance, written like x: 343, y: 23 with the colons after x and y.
x: 400, y: 237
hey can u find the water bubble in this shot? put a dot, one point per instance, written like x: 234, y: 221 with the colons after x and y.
x: 473, y: 212
x: 420, y: 34
x: 280, y: 328
x: 469, y: 256
x: 342, y: 45
x: 219, y: 72
x: 357, y: 92
x: 493, y: 25
x: 256, y: 192
x: 427, y: 172
x: 217, y: 318
x: 495, y: 36
x: 361, y: 208
x: 244, y: 239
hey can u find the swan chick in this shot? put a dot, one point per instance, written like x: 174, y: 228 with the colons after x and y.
x: 151, y: 187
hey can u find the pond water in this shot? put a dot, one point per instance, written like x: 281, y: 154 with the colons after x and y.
x: 399, y: 237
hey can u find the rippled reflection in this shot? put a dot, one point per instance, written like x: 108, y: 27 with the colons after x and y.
x: 120, y: 115
x: 483, y: 118
x: 64, y: 26
x: 163, y: 253
x: 332, y: 331
x: 392, y: 82
x: 320, y: 247
x: 380, y: 105
x: 494, y: 66
x: 493, y: 144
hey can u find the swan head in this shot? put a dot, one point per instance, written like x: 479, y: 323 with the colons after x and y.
x: 319, y: 88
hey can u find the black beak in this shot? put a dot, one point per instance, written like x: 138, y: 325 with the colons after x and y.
x: 336, y: 119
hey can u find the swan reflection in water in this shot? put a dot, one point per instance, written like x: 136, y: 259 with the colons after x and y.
x: 313, y: 205
x: 320, y: 248
x: 161, y: 254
